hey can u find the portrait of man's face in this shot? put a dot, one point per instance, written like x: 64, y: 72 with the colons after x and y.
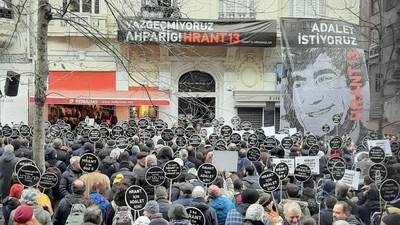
x: 319, y: 92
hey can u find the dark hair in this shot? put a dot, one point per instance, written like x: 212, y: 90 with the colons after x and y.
x: 292, y: 190
x: 250, y: 169
x: 346, y: 207
x: 330, y: 201
x: 238, y: 184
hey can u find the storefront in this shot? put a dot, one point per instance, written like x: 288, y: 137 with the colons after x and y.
x: 72, y: 96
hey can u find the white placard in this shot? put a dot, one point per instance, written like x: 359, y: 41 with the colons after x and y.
x: 289, y: 162
x: 351, y: 178
x: 310, y: 161
x: 384, y: 144
x: 269, y: 131
x: 225, y: 160
x: 279, y: 137
x: 209, y: 130
x: 91, y: 122
x: 292, y: 131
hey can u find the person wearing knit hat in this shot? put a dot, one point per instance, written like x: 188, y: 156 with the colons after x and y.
x: 12, y: 201
x: 237, y: 216
x: 152, y: 211
x: 220, y: 204
x: 178, y: 215
x: 391, y: 219
x: 142, y: 220
x: 23, y: 215
x: 266, y: 201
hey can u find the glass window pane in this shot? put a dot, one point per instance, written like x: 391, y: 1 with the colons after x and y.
x: 87, y: 6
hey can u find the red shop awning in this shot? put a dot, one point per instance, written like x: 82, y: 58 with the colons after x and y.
x: 85, y: 97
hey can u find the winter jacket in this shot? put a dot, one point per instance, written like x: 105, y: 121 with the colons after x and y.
x: 63, y: 156
x: 354, y: 220
x: 157, y: 219
x: 64, y: 207
x: 210, y: 215
x: 164, y: 156
x: 26, y: 152
x: 251, y: 181
x: 303, y: 205
x: 100, y: 201
x: 9, y: 204
x: 42, y: 216
x: 370, y: 206
x: 7, y: 164
x: 179, y: 222
x: 237, y: 216
x: 91, y: 178
x: 221, y: 205
x: 326, y: 217
x: 105, y: 152
x: 126, y: 173
x: 109, y: 166
x: 354, y: 207
x: 67, y: 178
x: 141, y: 181
x: 184, y: 200
x: 164, y: 206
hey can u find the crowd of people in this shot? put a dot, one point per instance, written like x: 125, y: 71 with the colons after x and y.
x: 233, y: 198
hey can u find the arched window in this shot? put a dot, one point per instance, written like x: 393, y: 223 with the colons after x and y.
x: 196, y: 81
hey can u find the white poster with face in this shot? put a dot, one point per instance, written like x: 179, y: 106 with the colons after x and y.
x: 322, y: 78
x: 289, y: 162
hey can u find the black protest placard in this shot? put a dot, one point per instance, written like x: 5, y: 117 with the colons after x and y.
x: 313, y: 151
x: 69, y: 136
x: 336, y: 118
x: 332, y: 161
x: 155, y: 176
x: 226, y: 131
x: 143, y: 123
x: 270, y: 143
x: 15, y: 133
x: 180, y: 141
x: 302, y: 173
x: 215, y: 123
x: 219, y: 147
x: 377, y: 169
x: 365, y: 140
x: 246, y: 125
x: 261, y: 138
x: 78, y: 129
x: 136, y: 197
x: 338, y: 170
x: 196, y: 216
x: 376, y: 154
x: 389, y: 190
x: 269, y: 181
x: 22, y: 162
x: 282, y: 169
x: 131, y: 131
x: 159, y: 124
x: 125, y: 125
x: 189, y: 131
x: 235, y: 138
x: 117, y: 131
x: 144, y: 135
x: 152, y: 131
x: 252, y: 139
x: 121, y: 142
x: 24, y: 130
x: 207, y: 173
x: 131, y: 122
x: 172, y: 170
x: 89, y: 162
x: 287, y: 143
x: 85, y: 132
x: 221, y: 121
x: 104, y: 132
x: 94, y: 135
x: 235, y: 121
x: 195, y: 140
x: 336, y: 143
x: 349, y: 141
x: 48, y: 180
x: 167, y: 135
x: 55, y: 131
x: 295, y: 138
x: 311, y: 140
x: 253, y: 154
x: 326, y: 128
x: 28, y: 175
x: 180, y: 131
x: 60, y: 122
x: 104, y: 124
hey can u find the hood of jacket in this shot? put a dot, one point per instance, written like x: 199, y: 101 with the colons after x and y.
x: 242, y: 208
x: 353, y: 220
x: 8, y: 157
x: 108, y: 161
x: 218, y: 203
x: 200, y: 203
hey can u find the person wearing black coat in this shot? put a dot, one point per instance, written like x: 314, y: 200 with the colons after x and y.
x: 161, y: 196
x: 371, y: 204
x: 26, y: 152
x: 200, y: 203
x: 326, y: 213
x: 72, y: 173
x: 110, y: 145
x: 64, y: 208
x: 7, y: 164
x: 61, y: 154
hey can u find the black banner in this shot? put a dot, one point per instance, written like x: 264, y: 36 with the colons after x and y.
x: 199, y: 32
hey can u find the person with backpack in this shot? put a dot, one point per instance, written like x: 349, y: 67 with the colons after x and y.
x: 117, y: 211
x: 53, y: 165
x: 109, y: 165
x: 71, y: 205
x: 92, y: 216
